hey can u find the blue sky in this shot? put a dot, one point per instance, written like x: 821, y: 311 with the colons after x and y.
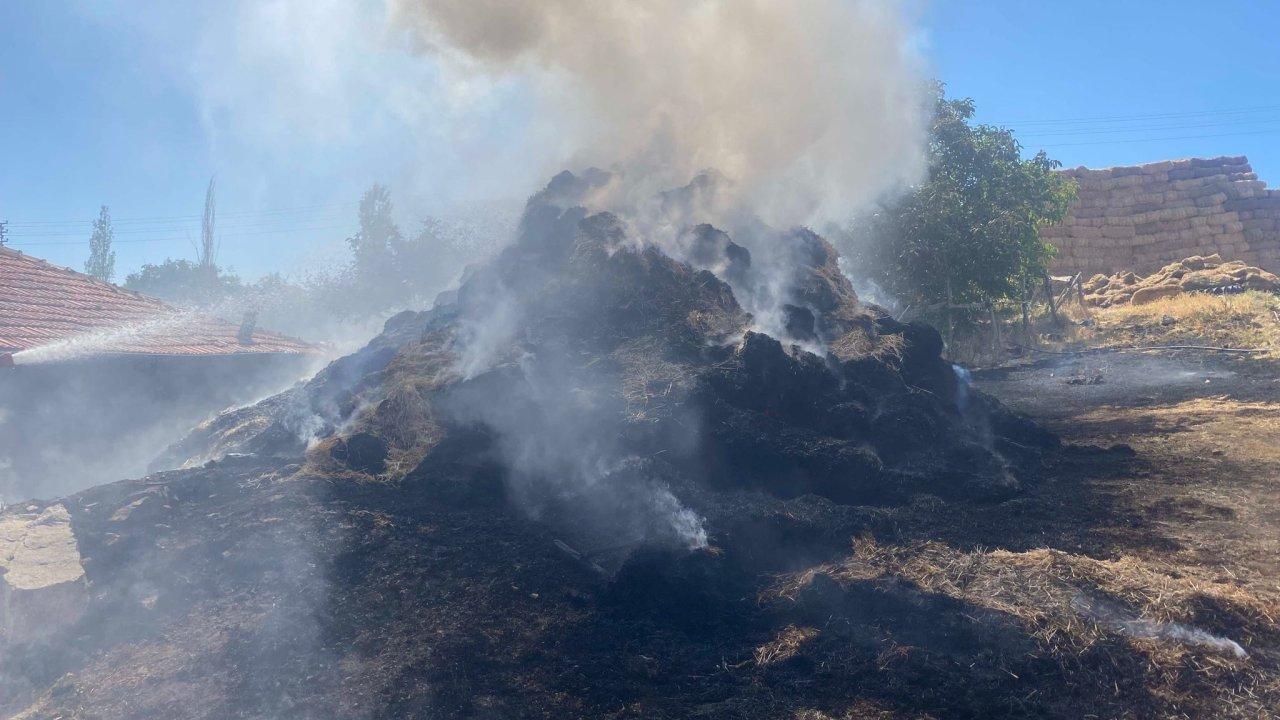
x: 1208, y: 69
x: 135, y: 105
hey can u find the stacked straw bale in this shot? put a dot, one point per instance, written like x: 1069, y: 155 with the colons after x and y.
x: 1195, y: 274
x: 1143, y: 217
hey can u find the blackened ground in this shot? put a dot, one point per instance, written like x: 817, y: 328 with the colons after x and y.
x: 250, y: 590
x: 401, y: 538
x: 1205, y: 431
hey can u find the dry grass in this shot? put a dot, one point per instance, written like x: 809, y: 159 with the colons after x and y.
x: 1222, y: 425
x: 1247, y: 320
x: 319, y: 462
x: 1184, y: 621
x: 861, y: 710
x: 857, y: 343
x: 225, y: 436
x: 785, y: 646
x: 650, y: 383
x: 399, y: 410
x: 1221, y: 509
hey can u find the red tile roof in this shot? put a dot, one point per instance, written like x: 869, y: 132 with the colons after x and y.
x: 56, y: 309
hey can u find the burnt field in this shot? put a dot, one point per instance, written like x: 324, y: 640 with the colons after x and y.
x: 1132, y: 580
x: 1203, y: 429
x: 632, y: 504
x: 802, y: 386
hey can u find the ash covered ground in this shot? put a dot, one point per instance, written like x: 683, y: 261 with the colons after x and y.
x: 598, y: 481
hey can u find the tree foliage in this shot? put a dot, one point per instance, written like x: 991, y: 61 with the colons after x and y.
x: 376, y: 268
x: 102, y: 259
x: 387, y: 271
x: 971, y: 226
x: 186, y: 283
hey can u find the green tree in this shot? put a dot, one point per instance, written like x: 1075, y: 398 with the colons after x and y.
x: 374, y: 246
x: 377, y: 270
x: 969, y: 230
x: 193, y: 284
x: 102, y: 259
x: 185, y: 283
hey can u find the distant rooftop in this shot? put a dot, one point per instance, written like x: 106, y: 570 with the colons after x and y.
x: 42, y: 304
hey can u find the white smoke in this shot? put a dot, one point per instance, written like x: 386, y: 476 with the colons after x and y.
x: 555, y: 427
x: 811, y: 107
x: 1127, y: 623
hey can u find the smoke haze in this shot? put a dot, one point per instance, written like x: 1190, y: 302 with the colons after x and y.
x: 810, y: 107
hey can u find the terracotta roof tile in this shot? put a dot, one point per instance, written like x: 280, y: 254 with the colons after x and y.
x: 42, y: 304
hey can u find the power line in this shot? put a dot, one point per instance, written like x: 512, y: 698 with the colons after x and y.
x: 1142, y: 117
x: 190, y: 218
x: 1151, y: 128
x: 281, y: 223
x: 1160, y: 139
x: 183, y: 218
x: 175, y: 239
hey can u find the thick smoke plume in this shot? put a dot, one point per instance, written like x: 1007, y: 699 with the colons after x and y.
x: 810, y: 107
x: 781, y: 113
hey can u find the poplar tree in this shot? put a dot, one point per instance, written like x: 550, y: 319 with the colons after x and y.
x: 102, y: 259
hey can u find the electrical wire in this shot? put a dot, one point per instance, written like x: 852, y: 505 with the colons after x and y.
x: 1151, y: 128
x: 283, y: 223
x: 187, y: 218
x: 1158, y: 139
x: 1144, y: 117
x: 233, y: 236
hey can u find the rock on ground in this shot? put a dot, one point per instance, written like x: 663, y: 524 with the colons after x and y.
x: 42, y: 585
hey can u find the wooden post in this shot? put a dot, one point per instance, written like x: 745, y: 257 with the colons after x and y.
x: 1026, y: 317
x: 1048, y: 296
x: 996, y: 343
x: 1080, y: 293
x: 950, y: 328
x: 1066, y: 292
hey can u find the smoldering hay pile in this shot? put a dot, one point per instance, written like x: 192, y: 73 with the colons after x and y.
x: 587, y: 440
x: 602, y: 378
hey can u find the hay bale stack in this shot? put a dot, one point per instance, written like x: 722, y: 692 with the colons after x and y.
x: 1194, y: 274
x: 1144, y: 217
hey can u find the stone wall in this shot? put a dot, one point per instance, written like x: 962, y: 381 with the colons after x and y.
x: 1143, y: 217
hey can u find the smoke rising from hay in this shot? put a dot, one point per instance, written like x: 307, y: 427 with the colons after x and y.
x: 1112, y: 615
x: 810, y: 107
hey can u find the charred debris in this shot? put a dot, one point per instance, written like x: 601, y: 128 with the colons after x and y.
x: 651, y: 362
x: 515, y: 503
